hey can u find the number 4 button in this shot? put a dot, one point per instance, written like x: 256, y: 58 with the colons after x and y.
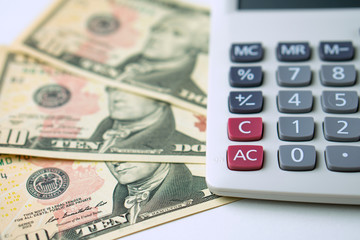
x: 295, y: 101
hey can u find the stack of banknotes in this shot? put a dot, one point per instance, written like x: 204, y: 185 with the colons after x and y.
x: 103, y: 120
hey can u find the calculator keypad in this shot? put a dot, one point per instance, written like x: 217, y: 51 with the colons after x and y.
x: 293, y: 102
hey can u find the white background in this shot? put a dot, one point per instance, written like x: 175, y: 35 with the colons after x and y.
x: 245, y: 219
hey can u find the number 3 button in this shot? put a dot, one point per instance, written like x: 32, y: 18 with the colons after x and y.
x: 245, y: 129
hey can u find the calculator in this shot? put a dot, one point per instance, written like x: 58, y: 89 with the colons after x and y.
x: 283, y: 101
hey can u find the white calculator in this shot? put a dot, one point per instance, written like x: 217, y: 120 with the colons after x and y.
x: 283, y: 101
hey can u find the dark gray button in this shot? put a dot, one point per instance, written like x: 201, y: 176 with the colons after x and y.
x: 338, y: 75
x: 343, y: 158
x: 245, y: 102
x: 293, y: 76
x: 297, y: 157
x: 339, y: 101
x: 295, y: 101
x: 342, y: 129
x: 296, y: 128
x: 336, y: 51
x: 245, y: 76
x: 293, y: 52
x: 246, y: 52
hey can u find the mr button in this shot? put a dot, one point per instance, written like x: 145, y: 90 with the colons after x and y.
x: 245, y: 157
x: 293, y: 52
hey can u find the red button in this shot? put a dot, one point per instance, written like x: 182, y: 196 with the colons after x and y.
x: 245, y: 129
x: 245, y: 157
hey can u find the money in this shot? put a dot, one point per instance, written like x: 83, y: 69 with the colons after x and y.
x: 47, y: 112
x: 154, y: 48
x: 56, y: 199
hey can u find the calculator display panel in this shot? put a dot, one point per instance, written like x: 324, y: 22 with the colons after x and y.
x: 294, y: 4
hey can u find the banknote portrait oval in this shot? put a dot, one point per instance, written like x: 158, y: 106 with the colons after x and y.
x: 103, y: 24
x: 47, y: 183
x: 52, y: 96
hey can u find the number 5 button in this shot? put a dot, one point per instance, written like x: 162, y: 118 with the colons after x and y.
x: 245, y: 129
x: 339, y: 102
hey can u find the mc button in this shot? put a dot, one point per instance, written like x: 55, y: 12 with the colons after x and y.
x: 246, y: 52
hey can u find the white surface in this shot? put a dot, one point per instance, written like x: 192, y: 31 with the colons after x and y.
x: 245, y: 219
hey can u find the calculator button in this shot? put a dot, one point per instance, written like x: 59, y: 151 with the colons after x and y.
x: 293, y: 76
x: 293, y: 52
x: 338, y: 75
x: 245, y: 157
x: 296, y: 128
x: 246, y: 52
x: 245, y: 129
x: 339, y: 102
x: 295, y: 101
x: 342, y: 129
x: 297, y: 157
x: 245, y: 76
x: 343, y: 158
x: 336, y: 51
x: 245, y: 102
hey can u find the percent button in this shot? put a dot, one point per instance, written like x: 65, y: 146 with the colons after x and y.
x: 245, y: 76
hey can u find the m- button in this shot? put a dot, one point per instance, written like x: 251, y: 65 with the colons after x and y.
x: 245, y: 129
x: 293, y: 52
x: 336, y: 51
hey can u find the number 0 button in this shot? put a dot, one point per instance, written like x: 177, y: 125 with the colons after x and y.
x: 297, y: 157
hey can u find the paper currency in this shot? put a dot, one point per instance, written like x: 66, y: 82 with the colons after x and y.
x: 47, y: 112
x: 48, y: 199
x: 155, y: 48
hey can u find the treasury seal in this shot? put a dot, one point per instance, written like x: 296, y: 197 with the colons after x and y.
x: 52, y: 96
x: 103, y: 24
x: 47, y: 183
